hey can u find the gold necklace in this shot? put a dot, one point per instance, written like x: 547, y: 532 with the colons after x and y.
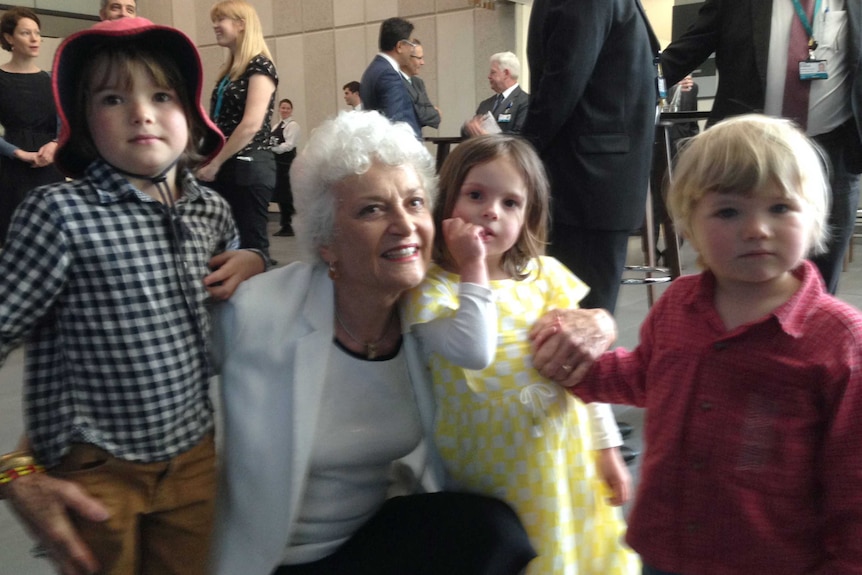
x: 370, y: 346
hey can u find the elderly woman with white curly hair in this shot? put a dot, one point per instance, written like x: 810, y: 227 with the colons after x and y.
x: 319, y: 410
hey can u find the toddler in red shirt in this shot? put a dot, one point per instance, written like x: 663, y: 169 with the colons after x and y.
x: 750, y: 371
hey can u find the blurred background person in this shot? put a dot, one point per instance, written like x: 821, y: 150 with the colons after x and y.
x: 508, y: 105
x: 382, y: 86
x: 27, y: 113
x: 285, y: 137
x: 242, y: 104
x: 116, y: 9
x: 351, y: 95
x: 596, y: 145
x: 427, y: 113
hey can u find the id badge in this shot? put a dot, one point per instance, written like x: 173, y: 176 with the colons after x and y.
x: 504, y: 118
x: 813, y: 70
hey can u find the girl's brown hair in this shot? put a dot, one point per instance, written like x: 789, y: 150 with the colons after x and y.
x: 480, y: 150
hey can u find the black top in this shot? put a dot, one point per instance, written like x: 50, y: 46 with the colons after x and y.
x: 27, y: 109
x: 233, y: 103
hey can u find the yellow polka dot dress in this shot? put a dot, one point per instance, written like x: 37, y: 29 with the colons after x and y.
x: 507, y: 431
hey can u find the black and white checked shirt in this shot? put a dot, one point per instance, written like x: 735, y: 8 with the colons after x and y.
x: 113, y: 311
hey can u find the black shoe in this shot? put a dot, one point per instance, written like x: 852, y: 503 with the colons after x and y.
x: 629, y: 454
x: 284, y: 232
x: 625, y: 429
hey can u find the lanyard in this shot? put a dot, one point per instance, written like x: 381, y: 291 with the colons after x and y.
x: 806, y: 23
x: 220, y: 94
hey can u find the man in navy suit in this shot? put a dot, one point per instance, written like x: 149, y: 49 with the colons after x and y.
x: 592, y: 120
x: 750, y: 39
x: 509, y: 104
x: 382, y: 87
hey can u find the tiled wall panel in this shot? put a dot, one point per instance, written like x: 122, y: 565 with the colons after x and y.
x: 456, y: 65
x: 289, y: 52
x: 319, y: 76
x: 351, y: 59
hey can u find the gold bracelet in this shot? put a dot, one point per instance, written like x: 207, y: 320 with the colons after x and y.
x: 17, y: 464
x: 12, y: 474
x: 16, y: 459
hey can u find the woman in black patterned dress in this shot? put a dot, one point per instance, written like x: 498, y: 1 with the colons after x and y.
x: 27, y: 114
x: 242, y: 104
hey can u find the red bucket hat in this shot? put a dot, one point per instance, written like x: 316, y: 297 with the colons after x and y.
x: 80, y: 47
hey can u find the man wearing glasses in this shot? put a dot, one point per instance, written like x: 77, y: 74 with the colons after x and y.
x: 382, y: 87
x: 427, y: 113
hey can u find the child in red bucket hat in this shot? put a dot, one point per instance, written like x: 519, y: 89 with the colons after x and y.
x: 108, y: 278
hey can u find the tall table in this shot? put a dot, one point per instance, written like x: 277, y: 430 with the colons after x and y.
x: 443, y: 143
x: 663, y: 170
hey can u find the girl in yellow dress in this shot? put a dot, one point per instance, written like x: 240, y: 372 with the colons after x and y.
x: 505, y: 430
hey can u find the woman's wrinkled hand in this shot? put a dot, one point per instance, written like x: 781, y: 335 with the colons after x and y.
x: 567, y: 342
x: 46, y: 506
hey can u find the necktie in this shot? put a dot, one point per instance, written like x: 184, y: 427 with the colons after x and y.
x: 796, y: 91
x: 497, y: 103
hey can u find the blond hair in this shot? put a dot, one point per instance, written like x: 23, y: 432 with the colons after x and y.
x: 744, y: 154
x: 250, y: 42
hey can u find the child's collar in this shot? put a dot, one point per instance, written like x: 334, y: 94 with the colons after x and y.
x: 160, y: 181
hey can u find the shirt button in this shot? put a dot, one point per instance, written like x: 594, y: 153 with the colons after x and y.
x: 719, y: 346
x: 698, y: 465
x: 691, y: 527
x: 706, y: 406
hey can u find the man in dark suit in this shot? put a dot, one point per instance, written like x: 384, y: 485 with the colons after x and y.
x: 426, y: 112
x: 381, y: 87
x: 592, y: 120
x: 508, y: 105
x: 750, y: 39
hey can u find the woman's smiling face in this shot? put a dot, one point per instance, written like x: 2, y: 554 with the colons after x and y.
x: 383, y: 230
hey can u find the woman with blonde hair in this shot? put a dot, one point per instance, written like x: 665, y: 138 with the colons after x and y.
x: 242, y: 104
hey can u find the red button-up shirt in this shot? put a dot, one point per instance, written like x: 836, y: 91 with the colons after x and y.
x: 754, y: 435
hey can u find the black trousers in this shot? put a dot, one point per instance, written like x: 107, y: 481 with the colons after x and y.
x: 431, y: 534
x: 283, y: 194
x: 597, y: 257
x: 247, y: 185
x: 842, y: 149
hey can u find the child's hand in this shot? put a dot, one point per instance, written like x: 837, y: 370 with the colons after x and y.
x: 466, y: 243
x: 231, y: 268
x: 615, y: 474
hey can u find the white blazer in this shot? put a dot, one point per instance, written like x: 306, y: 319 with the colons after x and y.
x: 273, y: 339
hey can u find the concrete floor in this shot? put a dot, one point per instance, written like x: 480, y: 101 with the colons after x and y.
x: 631, y: 310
